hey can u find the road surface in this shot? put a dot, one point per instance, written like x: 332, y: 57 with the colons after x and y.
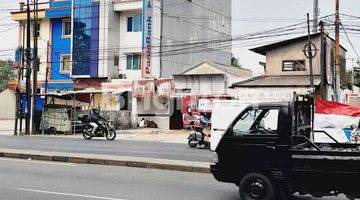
x: 34, y: 180
x: 171, y: 151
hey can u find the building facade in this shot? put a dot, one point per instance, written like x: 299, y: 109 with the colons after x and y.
x: 287, y: 71
x: 90, y: 45
x: 59, y: 63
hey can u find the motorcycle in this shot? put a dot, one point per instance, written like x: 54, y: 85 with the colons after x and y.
x: 105, y: 129
x: 196, y: 137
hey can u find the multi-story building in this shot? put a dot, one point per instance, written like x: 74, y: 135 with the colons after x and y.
x: 90, y: 43
x: 59, y: 63
x: 288, y: 70
x: 148, y: 38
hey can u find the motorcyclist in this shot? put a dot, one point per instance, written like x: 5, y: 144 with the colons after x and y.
x: 94, y: 119
x: 204, y: 123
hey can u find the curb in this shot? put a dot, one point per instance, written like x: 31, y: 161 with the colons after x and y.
x: 96, y: 160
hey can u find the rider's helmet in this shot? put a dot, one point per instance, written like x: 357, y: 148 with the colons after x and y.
x: 96, y: 111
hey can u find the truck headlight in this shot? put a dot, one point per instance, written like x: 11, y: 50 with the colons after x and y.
x: 215, y: 158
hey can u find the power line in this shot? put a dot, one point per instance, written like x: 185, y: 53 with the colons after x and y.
x: 348, y: 39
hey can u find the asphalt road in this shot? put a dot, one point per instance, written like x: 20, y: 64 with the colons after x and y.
x: 33, y: 180
x: 147, y: 149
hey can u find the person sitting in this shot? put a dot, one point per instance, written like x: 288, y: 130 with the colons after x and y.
x: 188, y: 118
x: 94, y: 119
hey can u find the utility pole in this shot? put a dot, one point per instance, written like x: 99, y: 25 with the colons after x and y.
x: 316, y: 15
x: 35, y: 68
x: 323, y: 67
x: 28, y: 70
x: 337, y: 50
x: 309, y: 51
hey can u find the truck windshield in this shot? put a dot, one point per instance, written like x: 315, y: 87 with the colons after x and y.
x: 257, y: 121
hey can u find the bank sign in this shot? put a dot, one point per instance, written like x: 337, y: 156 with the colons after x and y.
x: 147, y: 38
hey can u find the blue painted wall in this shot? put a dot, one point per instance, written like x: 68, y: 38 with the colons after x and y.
x: 59, y: 46
x: 59, y: 9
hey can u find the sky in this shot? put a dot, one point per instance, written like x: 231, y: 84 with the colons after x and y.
x: 248, y: 16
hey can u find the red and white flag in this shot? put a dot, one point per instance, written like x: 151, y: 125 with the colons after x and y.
x: 335, y: 115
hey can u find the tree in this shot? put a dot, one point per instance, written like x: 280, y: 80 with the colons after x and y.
x: 235, y: 62
x: 349, y: 79
x: 6, y: 73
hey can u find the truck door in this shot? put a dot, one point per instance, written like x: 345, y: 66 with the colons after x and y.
x: 251, y: 142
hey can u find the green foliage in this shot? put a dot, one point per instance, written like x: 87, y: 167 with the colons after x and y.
x: 235, y: 62
x: 349, y: 79
x: 357, y: 79
x: 6, y: 73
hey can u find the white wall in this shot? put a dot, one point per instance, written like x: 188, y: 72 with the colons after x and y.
x: 43, y: 40
x: 202, y: 84
x: 7, y: 104
x: 151, y: 106
x: 108, y: 40
x: 130, y: 42
x: 266, y: 94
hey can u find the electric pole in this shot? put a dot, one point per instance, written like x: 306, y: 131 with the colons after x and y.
x: 337, y: 50
x: 316, y: 15
x: 309, y: 51
x: 28, y: 71
x: 35, y: 68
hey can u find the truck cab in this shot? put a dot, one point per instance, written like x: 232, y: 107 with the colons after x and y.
x: 267, y: 150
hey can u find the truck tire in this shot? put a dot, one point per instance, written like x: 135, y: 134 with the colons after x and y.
x: 255, y: 186
x: 52, y: 131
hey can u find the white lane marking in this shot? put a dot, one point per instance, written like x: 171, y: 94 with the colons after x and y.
x: 67, y: 194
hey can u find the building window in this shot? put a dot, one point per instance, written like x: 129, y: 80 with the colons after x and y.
x: 294, y: 65
x: 65, y: 63
x: 134, y: 24
x: 66, y: 28
x: 133, y: 62
x: 116, y: 60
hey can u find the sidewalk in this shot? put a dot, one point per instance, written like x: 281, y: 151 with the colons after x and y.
x: 141, y: 134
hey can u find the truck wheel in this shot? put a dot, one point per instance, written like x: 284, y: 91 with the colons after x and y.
x: 52, y: 131
x: 255, y: 186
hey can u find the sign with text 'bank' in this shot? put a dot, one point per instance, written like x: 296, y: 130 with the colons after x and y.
x: 147, y: 38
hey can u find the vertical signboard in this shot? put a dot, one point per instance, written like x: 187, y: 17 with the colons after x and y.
x: 329, y: 61
x: 146, y: 66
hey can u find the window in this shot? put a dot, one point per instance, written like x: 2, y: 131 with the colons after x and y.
x: 134, y: 24
x: 65, y: 63
x: 133, y: 62
x: 294, y: 65
x: 260, y: 121
x: 116, y: 60
x: 66, y: 28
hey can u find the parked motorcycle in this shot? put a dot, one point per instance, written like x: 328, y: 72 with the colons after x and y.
x: 196, y: 137
x: 105, y: 129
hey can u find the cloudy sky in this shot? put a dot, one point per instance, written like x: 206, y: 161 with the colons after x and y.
x: 248, y: 16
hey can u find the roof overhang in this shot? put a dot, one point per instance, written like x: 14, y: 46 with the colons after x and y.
x: 127, y: 5
x: 22, y: 15
x: 263, y: 49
